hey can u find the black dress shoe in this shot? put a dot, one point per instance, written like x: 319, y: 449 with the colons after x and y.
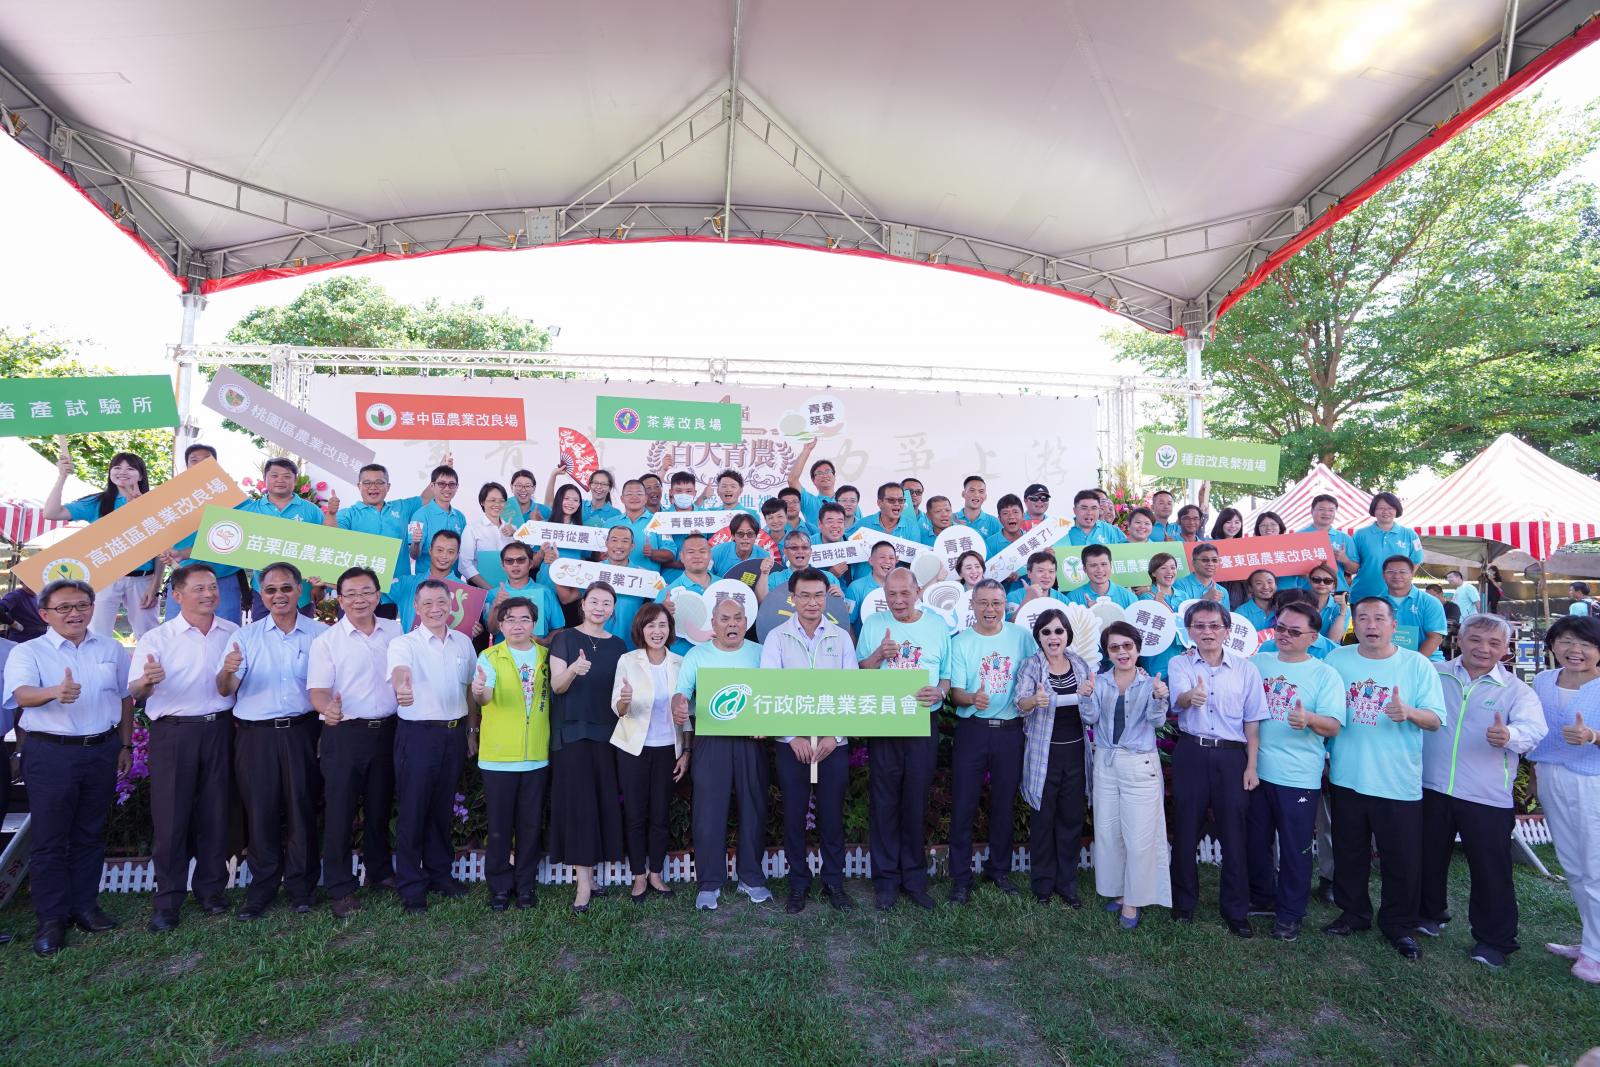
x: 1340, y: 927
x: 883, y: 901
x: 250, y: 913
x: 665, y: 894
x: 499, y: 901
x: 382, y: 885
x: 453, y: 889
x: 960, y: 894
x: 302, y: 907
x: 641, y: 896
x: 1179, y: 916
x: 93, y: 921
x: 214, y: 905
x: 49, y: 938
x: 598, y: 890
x: 580, y: 909
x: 162, y: 921
x: 838, y: 899
x: 1004, y: 884
x: 416, y: 906
x: 1037, y: 899
x: 1407, y: 947
x: 344, y: 907
x: 920, y: 898
x: 527, y: 900
x: 1324, y: 893
x: 1241, y: 928
x: 1069, y: 900
x: 796, y: 903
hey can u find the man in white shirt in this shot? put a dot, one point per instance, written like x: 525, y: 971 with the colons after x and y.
x: 809, y: 641
x: 275, y: 749
x: 71, y: 686
x: 174, y: 671
x: 348, y: 681
x: 429, y: 669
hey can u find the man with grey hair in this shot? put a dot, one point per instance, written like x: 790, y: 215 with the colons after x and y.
x: 797, y: 554
x: 1467, y: 771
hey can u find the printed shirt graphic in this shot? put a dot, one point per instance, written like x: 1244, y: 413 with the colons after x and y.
x: 1373, y: 754
x: 924, y: 644
x: 1289, y: 757
x: 989, y: 663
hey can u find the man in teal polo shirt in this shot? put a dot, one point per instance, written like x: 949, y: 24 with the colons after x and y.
x: 1087, y: 529
x: 281, y: 502
x: 695, y: 555
x: 1201, y: 583
x: 1419, y: 619
x: 1163, y: 528
x: 437, y: 514
x: 1041, y: 583
x: 650, y: 551
x: 823, y: 475
x: 1097, y: 568
x: 376, y: 514
x: 892, y: 517
x: 516, y: 559
x: 974, y: 491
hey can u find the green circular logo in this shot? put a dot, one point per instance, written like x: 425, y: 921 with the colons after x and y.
x: 729, y: 701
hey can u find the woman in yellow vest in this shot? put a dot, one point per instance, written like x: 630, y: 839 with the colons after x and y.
x: 650, y: 738
x: 511, y: 693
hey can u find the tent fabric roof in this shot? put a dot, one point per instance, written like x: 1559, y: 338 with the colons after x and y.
x: 1294, y: 506
x: 1152, y: 157
x: 1513, y: 495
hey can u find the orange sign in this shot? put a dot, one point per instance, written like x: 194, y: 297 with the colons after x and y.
x: 1294, y: 553
x: 111, y: 547
x: 430, y: 417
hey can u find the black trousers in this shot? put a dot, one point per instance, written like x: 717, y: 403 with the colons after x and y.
x: 276, y: 766
x: 428, y: 760
x: 1211, y: 778
x: 1486, y: 839
x: 998, y: 750
x: 728, y: 768
x: 899, y: 772
x: 357, y: 758
x: 70, y: 790
x: 515, y: 802
x: 794, y: 780
x: 646, y: 781
x: 1397, y: 825
x: 191, y: 788
x: 1284, y: 816
x: 1055, y: 832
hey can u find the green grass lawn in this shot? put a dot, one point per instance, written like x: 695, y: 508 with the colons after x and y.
x: 1002, y: 981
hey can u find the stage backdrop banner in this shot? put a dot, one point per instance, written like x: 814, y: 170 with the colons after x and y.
x: 38, y: 407
x: 871, y: 436
x: 639, y: 418
x: 796, y: 702
x: 432, y: 416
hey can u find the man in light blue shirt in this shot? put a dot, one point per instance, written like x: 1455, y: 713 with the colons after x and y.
x: 880, y: 562
x: 376, y: 514
x: 1041, y: 583
x: 823, y: 475
x: 984, y: 662
x: 516, y: 560
x: 435, y: 514
x: 1261, y: 609
x: 1097, y: 567
x: 1392, y: 696
x: 1162, y: 528
x: 797, y: 555
x: 892, y: 518
x: 280, y: 501
x: 1087, y: 529
x: 1419, y: 618
x: 974, y: 491
x: 1201, y: 582
x: 1465, y: 595
x: 1324, y: 510
x: 695, y: 555
x: 275, y: 748
x: 650, y: 551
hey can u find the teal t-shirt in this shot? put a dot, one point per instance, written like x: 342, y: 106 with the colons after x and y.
x: 924, y: 644
x: 1120, y: 595
x: 1191, y: 587
x: 990, y: 663
x: 1290, y: 757
x: 527, y: 667
x: 1416, y: 616
x: 747, y: 655
x: 1373, y: 754
x: 1101, y: 533
x: 550, y: 618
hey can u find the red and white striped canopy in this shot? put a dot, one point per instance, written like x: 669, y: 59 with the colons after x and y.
x: 1510, y: 496
x: 21, y: 521
x: 1294, y: 506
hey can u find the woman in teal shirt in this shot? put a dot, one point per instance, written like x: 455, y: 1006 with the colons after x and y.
x: 139, y: 590
x: 1163, y: 571
x: 1378, y: 542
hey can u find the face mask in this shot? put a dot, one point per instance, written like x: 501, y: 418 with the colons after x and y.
x: 683, y: 501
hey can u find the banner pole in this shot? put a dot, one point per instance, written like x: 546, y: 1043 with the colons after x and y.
x: 813, y: 759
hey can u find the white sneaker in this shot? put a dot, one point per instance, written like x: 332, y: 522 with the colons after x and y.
x: 1566, y: 952
x: 758, y: 894
x: 706, y: 900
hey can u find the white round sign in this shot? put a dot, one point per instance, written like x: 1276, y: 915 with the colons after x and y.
x: 690, y: 615
x: 728, y: 588
x: 944, y: 597
x: 1242, y: 637
x: 1032, y: 609
x: 953, y: 543
x: 927, y: 568
x: 1157, y: 625
x: 874, y: 602
x: 1106, y: 610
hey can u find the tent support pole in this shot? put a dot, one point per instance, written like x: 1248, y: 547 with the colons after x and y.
x: 732, y: 118
x: 193, y: 304
x: 1193, y: 345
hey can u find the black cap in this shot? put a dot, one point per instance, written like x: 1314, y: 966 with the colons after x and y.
x: 1036, y: 490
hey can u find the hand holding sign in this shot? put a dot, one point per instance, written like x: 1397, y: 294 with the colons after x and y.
x: 67, y: 692
x: 1497, y: 734
x: 153, y: 673
x: 1297, y: 717
x: 930, y: 696
x: 64, y: 465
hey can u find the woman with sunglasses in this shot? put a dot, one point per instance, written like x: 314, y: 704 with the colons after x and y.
x: 1050, y: 684
x: 1333, y: 607
x: 1125, y: 706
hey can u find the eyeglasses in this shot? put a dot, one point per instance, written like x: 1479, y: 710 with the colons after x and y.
x: 357, y: 594
x: 809, y: 596
x: 72, y: 609
x: 1322, y: 581
x: 1122, y: 646
x: 373, y: 485
x: 1040, y: 498
x: 445, y: 485
x: 1206, y: 627
x: 1052, y: 631
x: 1284, y: 631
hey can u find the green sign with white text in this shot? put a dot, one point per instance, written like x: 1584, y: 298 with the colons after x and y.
x: 250, y: 541
x: 39, y: 407
x: 638, y: 418
x: 1130, y: 563
x: 1206, y: 458
x: 732, y: 702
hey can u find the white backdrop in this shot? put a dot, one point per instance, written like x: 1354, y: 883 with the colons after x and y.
x: 937, y: 437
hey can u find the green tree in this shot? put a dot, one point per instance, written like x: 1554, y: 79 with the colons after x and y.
x: 36, y: 355
x: 1440, y: 312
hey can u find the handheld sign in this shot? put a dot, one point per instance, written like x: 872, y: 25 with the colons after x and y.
x: 731, y: 589
x: 579, y: 457
x: 904, y: 551
x: 1240, y: 462
x: 1284, y: 554
x: 799, y: 702
x: 562, y: 535
x: 251, y: 541
x: 435, y: 417
x: 259, y: 412
x: 956, y: 542
x: 677, y: 523
x: 1009, y: 560
x: 1157, y: 625
x: 627, y: 581
x: 124, y: 539
x: 691, y: 616
x: 38, y: 407
x: 1130, y: 563
x: 834, y: 553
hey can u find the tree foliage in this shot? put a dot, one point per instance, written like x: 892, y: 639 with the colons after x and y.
x: 35, y: 355
x: 1456, y: 304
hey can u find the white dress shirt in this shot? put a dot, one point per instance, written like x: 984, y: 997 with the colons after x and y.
x: 356, y: 667
x: 191, y: 660
x: 272, y: 678
x: 100, y: 667
x: 481, y: 535
x: 440, y: 671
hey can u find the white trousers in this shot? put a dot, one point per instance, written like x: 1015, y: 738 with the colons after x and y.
x: 1131, y: 854
x: 126, y: 594
x: 1571, y: 804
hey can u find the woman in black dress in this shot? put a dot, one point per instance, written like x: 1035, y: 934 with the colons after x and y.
x: 586, y: 816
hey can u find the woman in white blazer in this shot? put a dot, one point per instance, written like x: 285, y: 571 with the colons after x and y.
x: 653, y: 754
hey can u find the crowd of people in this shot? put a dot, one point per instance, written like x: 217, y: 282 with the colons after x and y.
x: 1348, y: 727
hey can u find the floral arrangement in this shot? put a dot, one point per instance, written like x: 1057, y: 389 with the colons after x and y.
x: 318, y: 493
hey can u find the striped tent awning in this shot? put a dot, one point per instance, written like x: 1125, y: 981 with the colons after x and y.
x: 1294, y: 506
x: 23, y: 520
x: 1511, y: 494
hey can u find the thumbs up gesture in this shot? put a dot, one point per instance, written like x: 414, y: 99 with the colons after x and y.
x: 233, y: 660
x: 402, y: 687
x: 980, y: 700
x: 680, y: 709
x: 332, y: 504
x: 889, y: 648
x: 1196, y: 697
x: 1577, y: 733
x: 1159, y: 690
x: 68, y: 690
x: 1297, y: 717
x: 627, y: 692
x: 1497, y: 734
x: 581, y: 665
x: 1397, y: 709
x: 480, y: 685
x: 335, y: 712
x: 153, y: 672
x: 1086, y: 687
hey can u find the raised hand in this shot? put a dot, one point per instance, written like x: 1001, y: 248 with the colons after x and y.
x: 64, y: 465
x: 1159, y: 690
x: 332, y: 506
x: 480, y: 685
x: 1196, y: 697
x: 548, y: 554
x: 1497, y: 734
x: 1297, y: 717
x: 1397, y: 709
x: 67, y: 692
x: 627, y: 692
x: 1577, y: 733
x: 1086, y: 687
x: 888, y: 648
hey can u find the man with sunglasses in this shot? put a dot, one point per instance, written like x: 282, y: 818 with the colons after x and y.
x: 1036, y: 501
x: 1220, y: 705
x: 348, y: 681
x: 1305, y: 705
